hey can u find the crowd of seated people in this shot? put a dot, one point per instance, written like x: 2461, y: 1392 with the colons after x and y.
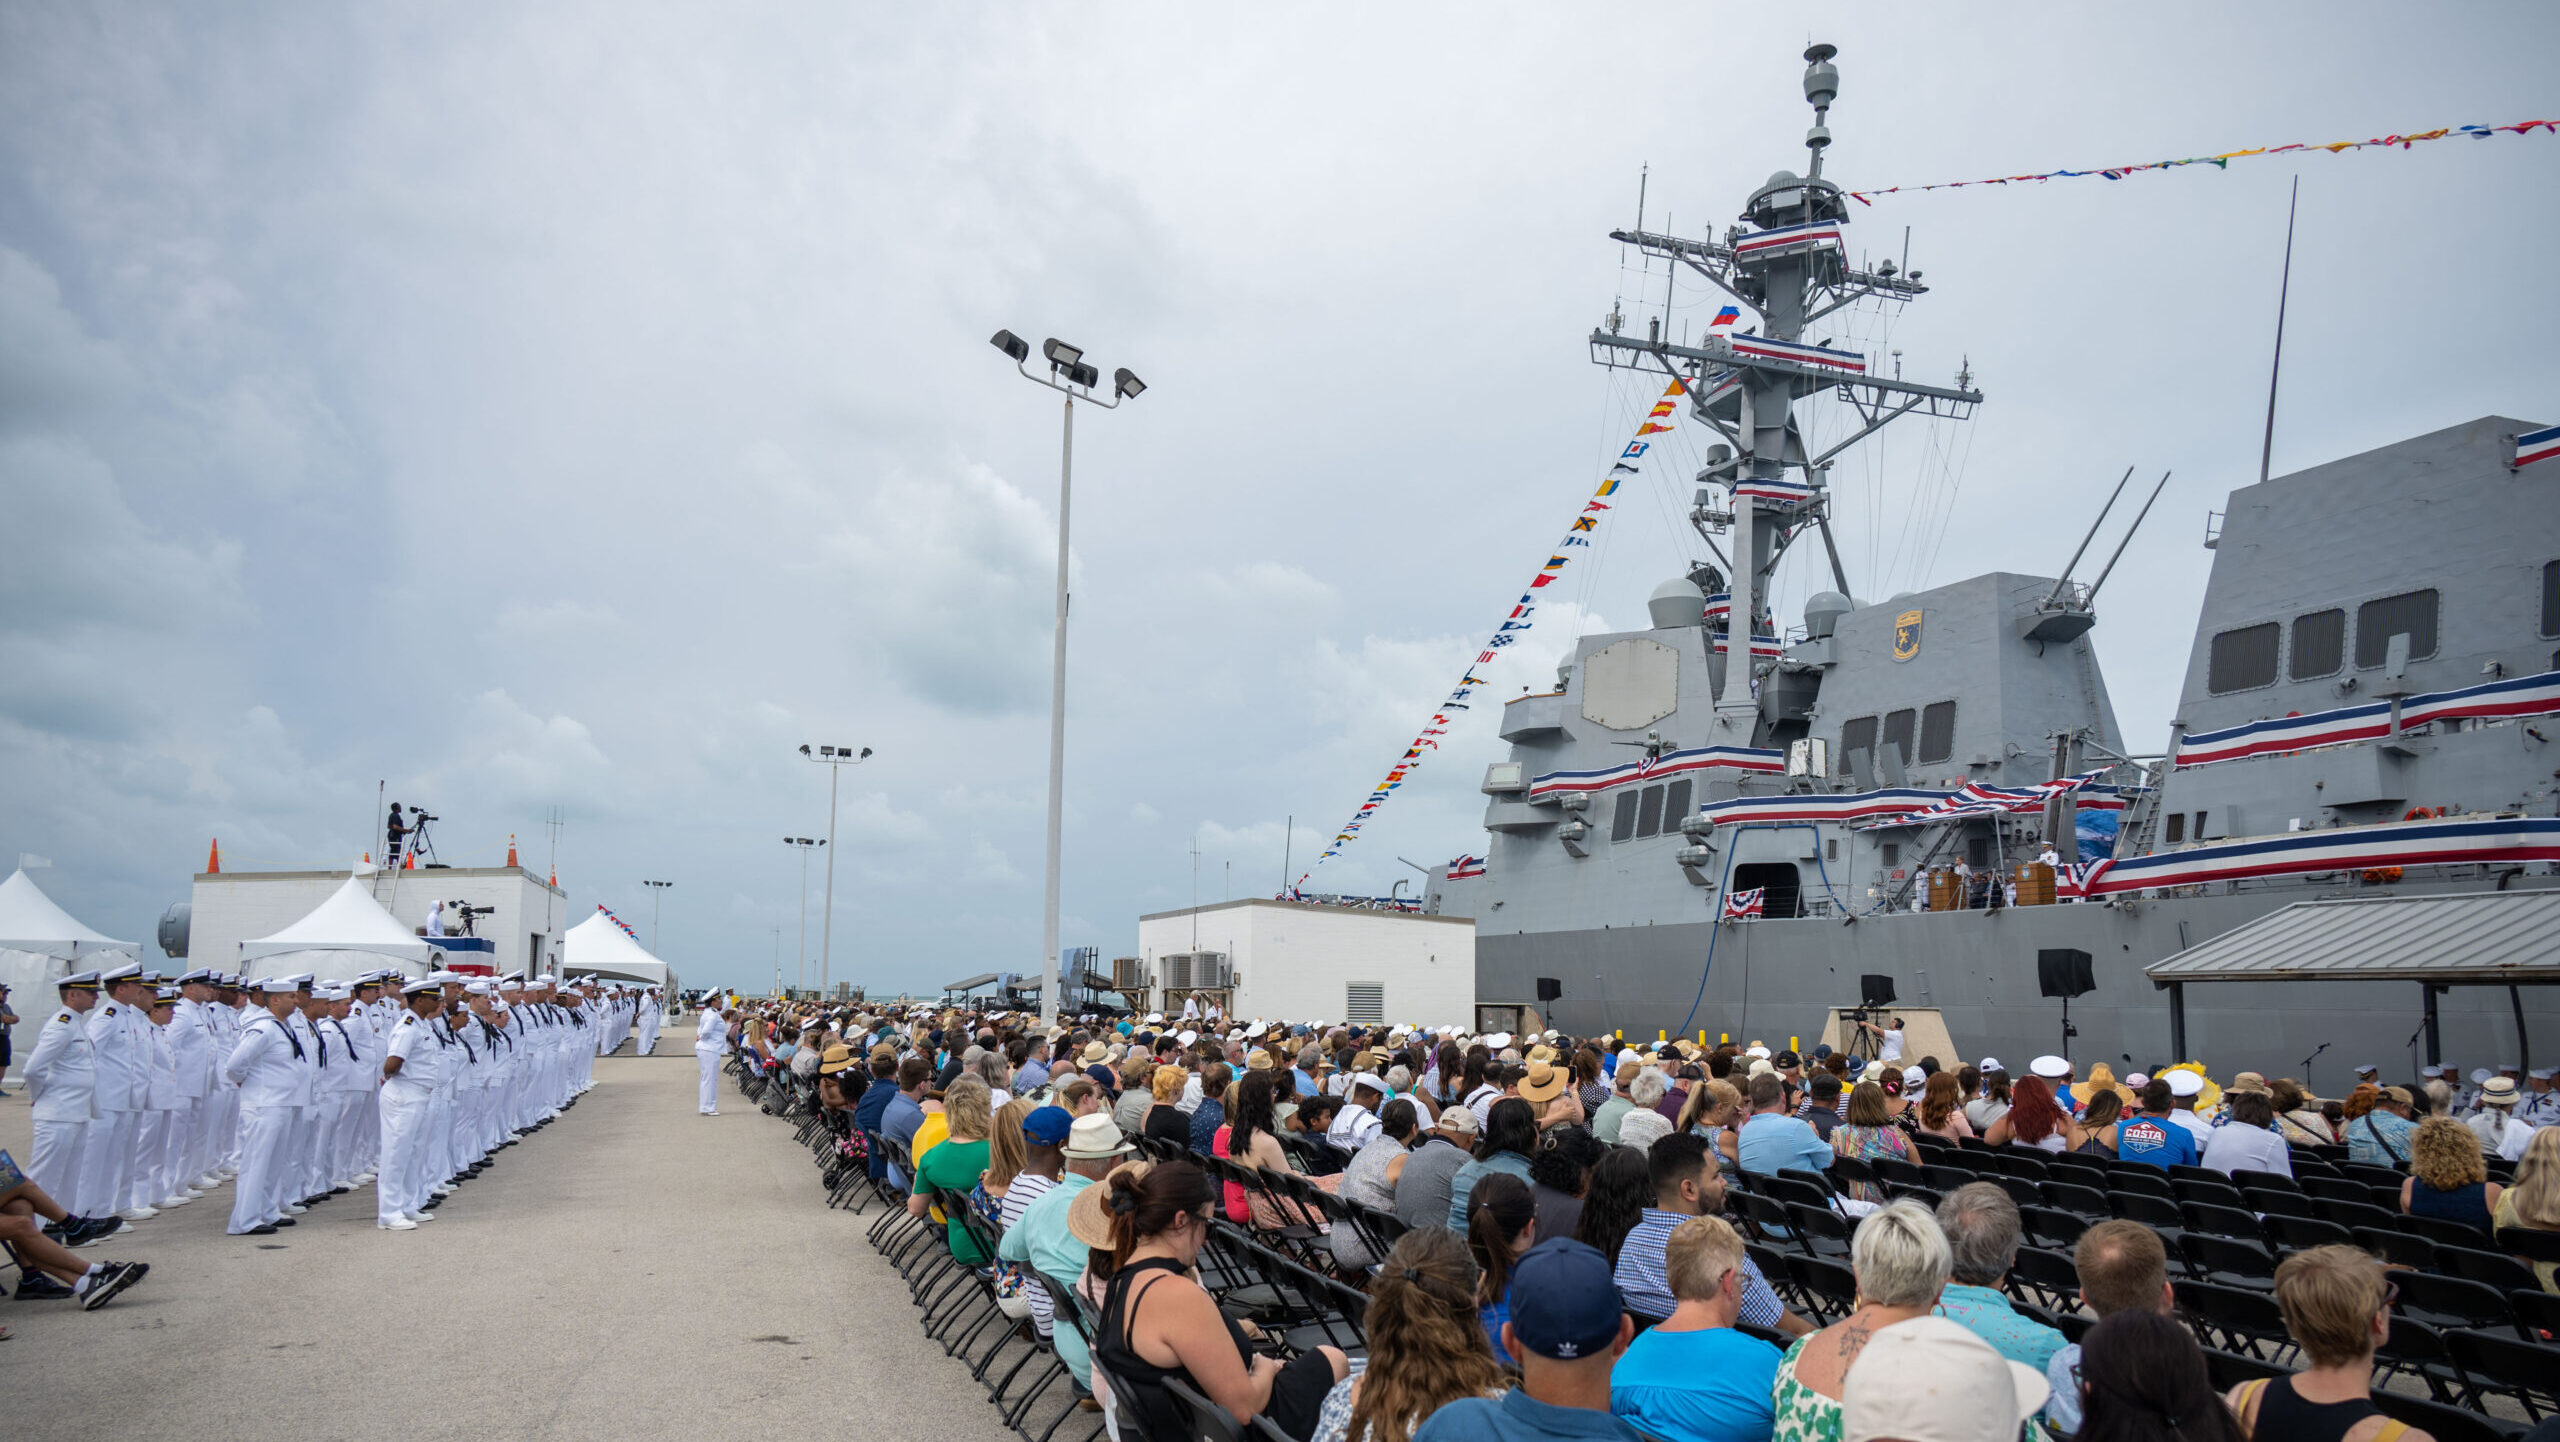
x: 1390, y: 1234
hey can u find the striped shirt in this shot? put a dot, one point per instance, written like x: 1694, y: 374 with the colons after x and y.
x: 1644, y: 1281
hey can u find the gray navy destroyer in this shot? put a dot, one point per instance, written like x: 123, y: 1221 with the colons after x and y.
x: 1933, y: 790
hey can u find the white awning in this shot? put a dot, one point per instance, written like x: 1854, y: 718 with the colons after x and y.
x: 598, y: 947
x: 343, y: 936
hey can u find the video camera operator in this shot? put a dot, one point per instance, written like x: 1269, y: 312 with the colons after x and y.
x: 395, y: 832
x: 1888, y: 1037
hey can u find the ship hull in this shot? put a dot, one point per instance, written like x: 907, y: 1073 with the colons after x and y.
x: 1771, y: 979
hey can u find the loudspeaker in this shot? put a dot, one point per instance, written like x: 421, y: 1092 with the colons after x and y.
x: 1875, y: 990
x: 2064, y: 972
x: 1549, y: 988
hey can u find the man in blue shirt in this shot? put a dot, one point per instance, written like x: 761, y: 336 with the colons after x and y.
x: 1983, y: 1233
x: 1567, y: 1328
x: 1771, y: 1141
x: 1692, y: 1377
x: 2150, y: 1136
x: 1033, y: 1074
x: 1310, y: 1060
x: 905, y: 1111
x: 867, y: 1113
x: 1686, y: 1186
x: 1044, y: 1240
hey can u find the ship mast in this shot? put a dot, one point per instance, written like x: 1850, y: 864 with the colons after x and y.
x: 1789, y: 269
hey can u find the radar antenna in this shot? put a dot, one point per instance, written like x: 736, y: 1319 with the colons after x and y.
x: 1787, y: 267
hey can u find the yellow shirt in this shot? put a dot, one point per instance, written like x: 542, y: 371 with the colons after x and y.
x: 2505, y: 1216
x: 934, y: 1130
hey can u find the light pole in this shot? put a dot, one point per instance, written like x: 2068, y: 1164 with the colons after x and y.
x: 656, y: 890
x: 833, y: 758
x: 1067, y: 365
x: 800, y: 973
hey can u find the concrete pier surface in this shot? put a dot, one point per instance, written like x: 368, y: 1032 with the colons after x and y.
x: 633, y: 1271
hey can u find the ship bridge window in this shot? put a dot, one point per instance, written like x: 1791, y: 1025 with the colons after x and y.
x: 2319, y: 644
x: 2412, y: 613
x: 1857, y: 734
x: 1675, y: 805
x: 1938, y: 731
x: 2551, y: 598
x: 1622, y: 826
x: 1897, y: 732
x: 2243, y: 659
x: 1649, y: 812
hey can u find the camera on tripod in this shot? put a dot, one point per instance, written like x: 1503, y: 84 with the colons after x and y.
x: 464, y: 914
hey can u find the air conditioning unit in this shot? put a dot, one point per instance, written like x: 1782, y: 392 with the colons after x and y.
x: 1128, y: 974
x: 1197, y: 971
x: 1177, y: 971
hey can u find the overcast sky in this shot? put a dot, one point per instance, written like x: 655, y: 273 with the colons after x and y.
x: 583, y: 406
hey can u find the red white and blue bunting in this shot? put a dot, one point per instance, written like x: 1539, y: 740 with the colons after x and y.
x: 1915, y: 806
x: 1552, y: 785
x: 1832, y: 807
x: 1975, y: 799
x: 1745, y: 905
x: 2536, y: 695
x: 1787, y: 239
x: 2344, y: 848
x: 1763, y: 646
x: 2532, y: 446
x: 1761, y: 347
x: 1577, y: 535
x: 1466, y: 868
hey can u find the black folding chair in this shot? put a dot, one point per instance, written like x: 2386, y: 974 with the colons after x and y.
x: 2221, y: 1221
x: 2217, y: 1192
x: 2530, y: 1243
x: 1893, y: 1171
x: 2270, y: 1203
x: 1946, y: 1178
x: 2246, y: 1177
x: 2052, y: 1226
x: 2022, y: 1191
x: 1793, y: 1188
x: 2294, y: 1234
x: 2077, y: 1198
x: 2142, y: 1178
x: 2448, y: 1302
x: 2397, y: 1247
x: 2235, y: 1319
x: 2444, y: 1422
x: 2334, y: 1188
x: 2158, y: 1213
x: 2227, y: 1260
x: 2086, y: 1167
x: 2492, y: 1269
x: 1828, y: 1287
x: 2230, y: 1369
x: 1819, y: 1231
x: 2445, y: 1233
x: 2499, y: 1363
x: 2047, y: 1278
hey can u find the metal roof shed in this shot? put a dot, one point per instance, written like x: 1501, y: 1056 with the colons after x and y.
x: 2485, y: 938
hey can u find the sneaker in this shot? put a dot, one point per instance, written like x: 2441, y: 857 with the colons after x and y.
x: 37, y: 1287
x: 295, y: 1209
x: 174, y: 1199
x: 398, y: 1224
x: 207, y: 1182
x: 138, y: 1214
x: 104, y: 1285
x: 93, y: 1230
x: 422, y: 1216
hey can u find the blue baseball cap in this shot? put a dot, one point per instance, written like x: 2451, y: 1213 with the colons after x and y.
x: 1048, y: 1126
x: 1564, y: 1302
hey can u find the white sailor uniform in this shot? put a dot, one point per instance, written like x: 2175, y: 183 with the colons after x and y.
x: 61, y: 1074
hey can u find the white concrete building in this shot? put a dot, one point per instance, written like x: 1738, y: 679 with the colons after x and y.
x: 229, y: 907
x: 1304, y: 962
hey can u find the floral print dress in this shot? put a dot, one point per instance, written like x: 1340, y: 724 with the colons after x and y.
x: 1802, y: 1414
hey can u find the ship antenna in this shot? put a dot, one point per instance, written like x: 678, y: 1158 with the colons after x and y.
x: 2065, y: 579
x: 2284, y: 289
x: 2128, y: 538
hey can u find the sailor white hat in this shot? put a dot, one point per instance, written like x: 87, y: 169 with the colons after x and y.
x: 2480, y: 1074
x: 334, y: 992
x: 2185, y: 1083
x: 87, y: 979
x: 2367, y: 1069
x: 165, y: 993
x: 2050, y: 1067
x: 127, y: 972
x: 480, y: 988
x: 201, y: 973
x: 1756, y: 1053
x: 1155, y: 1016
x: 2543, y: 1073
x: 1188, y: 1037
x: 510, y: 984
x: 1498, y: 1040
x: 2432, y: 1073
x: 277, y: 985
x: 1372, y: 1081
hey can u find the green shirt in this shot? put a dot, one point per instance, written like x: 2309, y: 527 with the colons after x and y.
x: 955, y: 1166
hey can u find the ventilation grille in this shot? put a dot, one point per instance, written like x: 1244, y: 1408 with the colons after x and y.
x: 1364, y: 1003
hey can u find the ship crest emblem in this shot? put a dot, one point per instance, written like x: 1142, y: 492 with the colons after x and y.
x: 1906, y: 635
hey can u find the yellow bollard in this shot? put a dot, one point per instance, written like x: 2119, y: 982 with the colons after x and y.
x: 1791, y: 1043
x: 1724, y: 1038
x: 1660, y: 1037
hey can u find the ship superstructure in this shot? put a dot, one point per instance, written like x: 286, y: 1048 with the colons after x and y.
x: 1724, y: 820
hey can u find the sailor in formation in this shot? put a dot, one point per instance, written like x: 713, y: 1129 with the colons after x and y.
x: 149, y: 1094
x: 652, y: 1015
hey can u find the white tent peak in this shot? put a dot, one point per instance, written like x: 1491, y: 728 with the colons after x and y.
x: 599, y: 945
x: 30, y: 921
x: 350, y: 921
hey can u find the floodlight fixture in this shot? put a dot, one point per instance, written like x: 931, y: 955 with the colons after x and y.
x: 1127, y: 383
x: 1012, y: 345
x: 1062, y: 356
x: 1084, y: 375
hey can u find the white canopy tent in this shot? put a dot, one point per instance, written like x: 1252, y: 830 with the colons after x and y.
x: 343, y: 937
x: 38, y: 943
x: 597, y: 947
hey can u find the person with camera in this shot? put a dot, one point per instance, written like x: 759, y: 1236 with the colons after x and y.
x: 1888, y: 1037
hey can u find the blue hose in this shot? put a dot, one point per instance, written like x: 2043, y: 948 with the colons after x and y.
x: 1712, y: 937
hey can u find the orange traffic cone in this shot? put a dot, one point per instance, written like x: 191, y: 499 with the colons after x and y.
x: 511, y: 851
x: 409, y: 862
x: 213, y: 858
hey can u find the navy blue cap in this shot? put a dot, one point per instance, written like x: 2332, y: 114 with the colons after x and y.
x: 1048, y: 1126
x: 1564, y: 1302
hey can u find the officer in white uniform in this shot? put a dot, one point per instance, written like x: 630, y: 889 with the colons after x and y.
x: 164, y: 1122
x: 710, y: 1043
x: 193, y: 1052
x: 417, y: 1062
x: 61, y: 1074
x: 274, y: 1069
x: 123, y: 1072
x: 653, y: 1014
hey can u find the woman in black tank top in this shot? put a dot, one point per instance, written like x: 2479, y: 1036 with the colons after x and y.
x: 2337, y: 1307
x: 1159, y: 1323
